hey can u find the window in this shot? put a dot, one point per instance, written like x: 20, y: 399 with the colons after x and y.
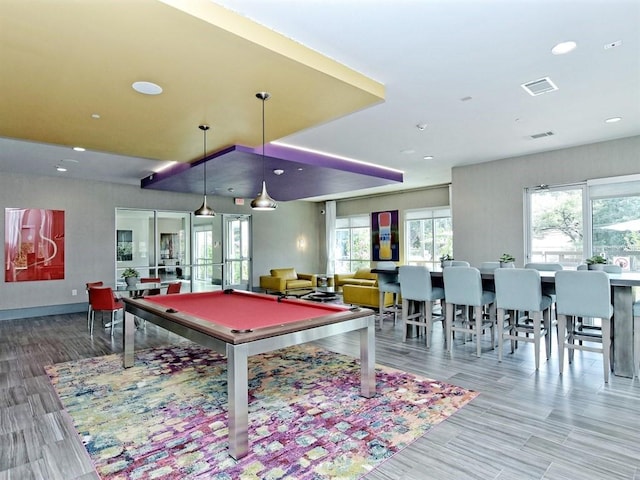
x: 615, y: 214
x: 556, y: 224
x: 428, y: 236
x: 567, y: 224
x: 353, y: 243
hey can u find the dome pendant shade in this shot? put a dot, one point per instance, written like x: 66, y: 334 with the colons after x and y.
x: 204, y: 210
x: 263, y: 201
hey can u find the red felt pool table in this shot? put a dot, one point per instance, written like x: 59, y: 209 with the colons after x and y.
x: 238, y: 324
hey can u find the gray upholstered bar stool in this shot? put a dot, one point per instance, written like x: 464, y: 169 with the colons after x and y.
x: 612, y: 268
x: 548, y: 289
x: 488, y: 267
x: 518, y: 290
x: 388, y: 283
x: 463, y: 287
x: 416, y: 289
x: 583, y: 293
x: 455, y: 263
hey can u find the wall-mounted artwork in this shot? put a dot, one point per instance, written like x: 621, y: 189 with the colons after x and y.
x: 168, y: 245
x: 124, y: 245
x: 384, y: 236
x: 33, y: 245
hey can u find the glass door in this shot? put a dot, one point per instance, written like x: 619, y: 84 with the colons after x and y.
x: 207, y: 254
x: 237, y: 251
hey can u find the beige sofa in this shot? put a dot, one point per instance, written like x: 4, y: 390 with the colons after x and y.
x: 285, y: 280
x: 362, y: 277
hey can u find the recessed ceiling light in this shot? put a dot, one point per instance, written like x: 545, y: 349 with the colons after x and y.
x: 60, y: 168
x: 79, y: 149
x: 428, y: 157
x: 300, y: 169
x: 95, y: 116
x: 613, y: 119
x: 564, y: 47
x: 147, y: 88
x: 278, y: 171
x: 421, y: 126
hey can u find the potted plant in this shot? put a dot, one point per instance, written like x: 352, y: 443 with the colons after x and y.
x: 130, y: 276
x: 506, y: 260
x: 596, y: 262
x: 444, y: 259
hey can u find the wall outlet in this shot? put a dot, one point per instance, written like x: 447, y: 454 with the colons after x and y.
x: 74, y: 292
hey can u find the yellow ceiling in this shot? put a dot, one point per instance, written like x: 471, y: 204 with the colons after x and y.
x: 63, y: 60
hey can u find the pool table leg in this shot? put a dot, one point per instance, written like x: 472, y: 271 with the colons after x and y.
x: 238, y: 392
x: 128, y: 336
x: 368, y: 361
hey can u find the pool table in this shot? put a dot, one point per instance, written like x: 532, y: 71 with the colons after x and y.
x: 237, y: 324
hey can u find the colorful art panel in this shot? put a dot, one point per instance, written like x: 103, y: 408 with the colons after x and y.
x: 385, y: 242
x: 34, y: 244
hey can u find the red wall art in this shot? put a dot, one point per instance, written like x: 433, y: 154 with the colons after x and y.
x: 33, y: 244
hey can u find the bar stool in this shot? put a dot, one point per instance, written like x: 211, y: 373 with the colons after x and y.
x: 548, y: 289
x: 463, y: 286
x: 583, y: 293
x: 455, y: 263
x: 416, y: 288
x: 488, y: 267
x: 388, y: 283
x: 518, y: 290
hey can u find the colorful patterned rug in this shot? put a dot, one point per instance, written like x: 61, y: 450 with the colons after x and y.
x: 166, y: 416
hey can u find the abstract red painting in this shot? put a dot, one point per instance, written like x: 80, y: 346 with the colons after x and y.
x: 34, y: 244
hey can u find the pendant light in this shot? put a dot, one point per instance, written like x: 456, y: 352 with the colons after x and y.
x: 263, y: 201
x: 205, y: 210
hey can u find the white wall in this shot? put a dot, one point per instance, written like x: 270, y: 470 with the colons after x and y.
x: 487, y: 199
x: 90, y: 233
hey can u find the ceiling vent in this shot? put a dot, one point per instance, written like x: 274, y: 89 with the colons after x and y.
x: 540, y: 86
x: 542, y: 135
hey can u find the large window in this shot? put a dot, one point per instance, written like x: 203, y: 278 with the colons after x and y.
x: 353, y: 243
x: 615, y: 213
x: 571, y: 223
x: 556, y: 221
x: 428, y: 236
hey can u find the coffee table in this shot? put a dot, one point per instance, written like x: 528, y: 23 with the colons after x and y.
x: 321, y: 294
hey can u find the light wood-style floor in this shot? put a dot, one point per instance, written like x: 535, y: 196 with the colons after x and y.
x: 524, y: 424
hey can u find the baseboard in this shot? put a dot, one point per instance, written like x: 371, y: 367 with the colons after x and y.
x: 30, y: 312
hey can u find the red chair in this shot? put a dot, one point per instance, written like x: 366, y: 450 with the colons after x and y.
x: 101, y: 299
x: 174, y: 287
x: 152, y: 291
x: 90, y: 285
